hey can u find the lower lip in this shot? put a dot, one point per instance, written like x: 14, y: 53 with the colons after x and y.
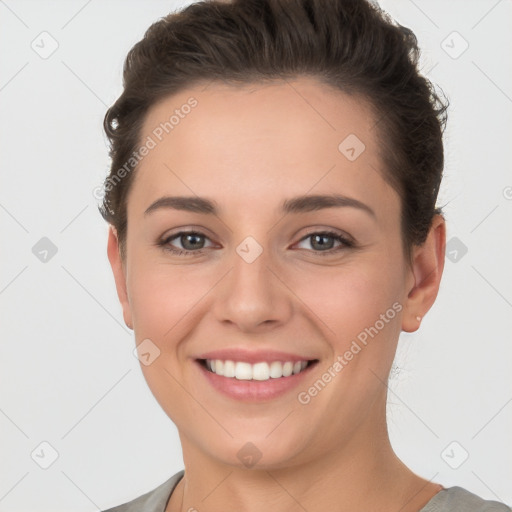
x: 255, y: 390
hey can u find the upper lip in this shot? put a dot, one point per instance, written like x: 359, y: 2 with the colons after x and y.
x: 253, y: 356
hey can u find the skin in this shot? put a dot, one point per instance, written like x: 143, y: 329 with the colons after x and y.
x: 248, y: 149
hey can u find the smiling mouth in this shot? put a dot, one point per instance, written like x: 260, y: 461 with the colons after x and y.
x: 260, y: 371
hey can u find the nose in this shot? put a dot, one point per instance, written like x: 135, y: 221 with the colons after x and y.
x: 253, y: 296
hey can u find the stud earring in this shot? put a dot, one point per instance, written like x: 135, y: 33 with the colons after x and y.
x: 418, y: 318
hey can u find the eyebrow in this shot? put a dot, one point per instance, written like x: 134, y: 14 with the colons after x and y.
x: 300, y: 204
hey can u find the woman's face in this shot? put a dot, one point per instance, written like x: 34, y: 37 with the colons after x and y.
x: 260, y: 277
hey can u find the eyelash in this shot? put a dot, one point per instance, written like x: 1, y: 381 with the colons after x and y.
x: 346, y: 243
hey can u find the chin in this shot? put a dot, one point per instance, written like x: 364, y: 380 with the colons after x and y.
x: 257, y: 452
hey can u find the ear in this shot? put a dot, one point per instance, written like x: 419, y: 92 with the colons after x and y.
x: 425, y: 275
x: 118, y: 269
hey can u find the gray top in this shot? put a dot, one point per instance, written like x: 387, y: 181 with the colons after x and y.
x: 453, y: 499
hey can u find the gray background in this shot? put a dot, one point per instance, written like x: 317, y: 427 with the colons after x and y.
x: 68, y: 376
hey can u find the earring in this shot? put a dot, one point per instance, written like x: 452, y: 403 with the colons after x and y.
x: 418, y: 318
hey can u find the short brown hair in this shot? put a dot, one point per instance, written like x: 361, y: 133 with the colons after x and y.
x: 351, y: 45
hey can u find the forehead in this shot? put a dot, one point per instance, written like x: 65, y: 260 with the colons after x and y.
x: 238, y: 142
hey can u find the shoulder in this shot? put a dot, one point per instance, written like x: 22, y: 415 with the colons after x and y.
x: 152, y: 501
x: 457, y: 499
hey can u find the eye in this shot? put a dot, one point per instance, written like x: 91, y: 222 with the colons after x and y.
x: 324, y: 241
x: 192, y: 242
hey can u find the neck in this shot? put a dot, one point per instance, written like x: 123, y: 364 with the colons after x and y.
x: 358, y: 476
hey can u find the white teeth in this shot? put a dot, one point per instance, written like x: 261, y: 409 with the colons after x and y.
x: 229, y: 369
x: 259, y: 371
x: 243, y: 371
x: 276, y: 369
x: 287, y: 369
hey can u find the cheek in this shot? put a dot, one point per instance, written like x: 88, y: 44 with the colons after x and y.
x: 358, y: 293
x: 166, y: 301
x: 166, y: 298
x: 359, y: 300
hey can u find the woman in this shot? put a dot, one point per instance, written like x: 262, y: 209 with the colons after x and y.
x: 272, y: 202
